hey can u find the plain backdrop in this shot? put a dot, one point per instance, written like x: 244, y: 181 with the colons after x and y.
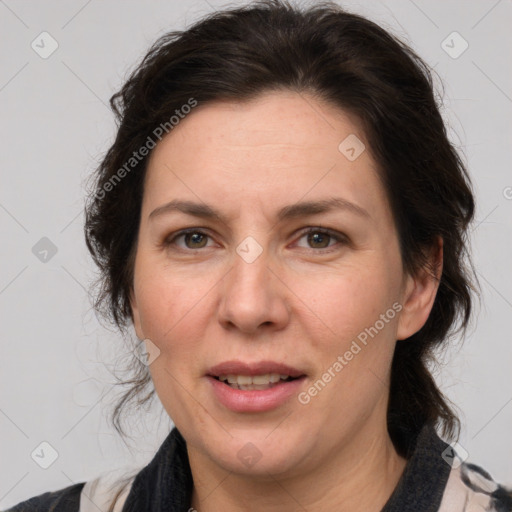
x: 56, y: 358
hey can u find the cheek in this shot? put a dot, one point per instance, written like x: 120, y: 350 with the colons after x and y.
x: 175, y: 308
x: 352, y: 364
x: 172, y: 310
x: 346, y: 302
x: 166, y: 297
x: 355, y: 308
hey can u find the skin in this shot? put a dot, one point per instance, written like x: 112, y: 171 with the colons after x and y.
x: 301, y: 302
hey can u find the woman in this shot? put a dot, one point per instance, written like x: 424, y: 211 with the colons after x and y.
x: 283, y: 221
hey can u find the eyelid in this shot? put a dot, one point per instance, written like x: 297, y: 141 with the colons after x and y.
x: 321, y: 229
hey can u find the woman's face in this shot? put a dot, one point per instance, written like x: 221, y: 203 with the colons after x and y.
x: 251, y: 295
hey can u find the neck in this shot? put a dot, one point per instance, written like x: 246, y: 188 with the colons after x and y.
x: 360, y: 476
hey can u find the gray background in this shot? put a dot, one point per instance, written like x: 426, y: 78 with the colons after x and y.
x: 55, y: 127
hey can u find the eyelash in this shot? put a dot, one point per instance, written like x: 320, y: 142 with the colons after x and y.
x: 339, y: 237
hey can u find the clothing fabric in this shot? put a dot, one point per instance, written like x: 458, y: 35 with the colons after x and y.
x: 435, y: 479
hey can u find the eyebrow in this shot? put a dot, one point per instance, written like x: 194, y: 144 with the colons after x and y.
x: 292, y: 211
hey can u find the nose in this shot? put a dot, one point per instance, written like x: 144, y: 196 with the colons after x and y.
x: 254, y: 297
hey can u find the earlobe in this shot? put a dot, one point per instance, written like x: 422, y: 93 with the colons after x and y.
x: 420, y: 291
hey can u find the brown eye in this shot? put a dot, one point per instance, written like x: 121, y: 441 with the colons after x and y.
x: 193, y: 239
x: 321, y: 238
x: 197, y: 240
x: 318, y: 240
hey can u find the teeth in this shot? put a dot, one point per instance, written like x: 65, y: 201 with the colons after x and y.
x: 243, y: 380
x: 247, y: 382
x: 261, y: 379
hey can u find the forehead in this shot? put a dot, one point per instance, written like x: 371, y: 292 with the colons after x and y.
x: 277, y: 121
x: 275, y: 149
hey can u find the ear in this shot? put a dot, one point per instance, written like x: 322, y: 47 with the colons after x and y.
x: 420, y: 292
x: 136, y: 315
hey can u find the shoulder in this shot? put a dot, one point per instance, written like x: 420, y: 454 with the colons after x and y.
x: 63, y: 500
x: 107, y: 492
x: 471, y: 488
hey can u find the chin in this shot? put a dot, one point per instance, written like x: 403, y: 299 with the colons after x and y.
x: 257, y: 453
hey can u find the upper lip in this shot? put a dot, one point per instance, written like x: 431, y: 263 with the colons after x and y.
x: 251, y: 369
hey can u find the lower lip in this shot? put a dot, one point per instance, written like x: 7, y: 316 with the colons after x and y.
x: 255, y: 400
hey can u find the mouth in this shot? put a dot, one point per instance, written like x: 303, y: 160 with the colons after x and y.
x: 255, y: 382
x: 254, y: 387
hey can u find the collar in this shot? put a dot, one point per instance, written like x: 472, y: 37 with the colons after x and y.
x: 165, y: 484
x: 424, y: 479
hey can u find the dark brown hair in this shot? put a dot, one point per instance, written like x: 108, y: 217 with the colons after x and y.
x: 352, y: 64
